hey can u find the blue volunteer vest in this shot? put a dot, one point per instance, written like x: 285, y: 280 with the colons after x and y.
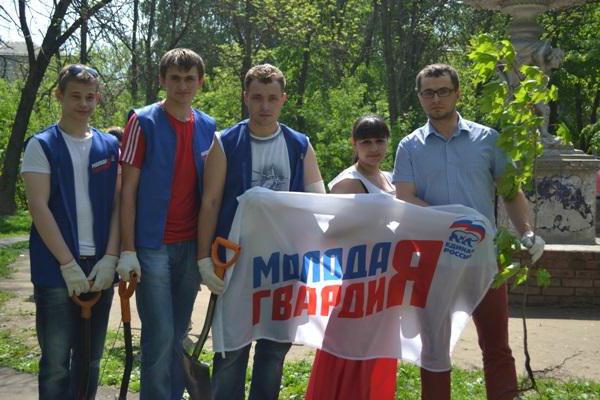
x: 156, y: 175
x: 102, y: 172
x: 236, y: 145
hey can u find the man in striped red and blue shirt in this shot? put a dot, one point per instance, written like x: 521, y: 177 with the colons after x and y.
x: 163, y: 160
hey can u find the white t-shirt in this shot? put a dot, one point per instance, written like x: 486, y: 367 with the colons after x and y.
x: 352, y: 173
x: 270, y: 161
x: 34, y: 160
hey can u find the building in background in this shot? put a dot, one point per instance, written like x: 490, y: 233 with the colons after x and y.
x: 13, y: 60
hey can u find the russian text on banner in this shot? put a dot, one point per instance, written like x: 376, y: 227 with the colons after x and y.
x: 360, y: 276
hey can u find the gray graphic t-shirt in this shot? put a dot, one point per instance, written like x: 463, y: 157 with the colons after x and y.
x: 270, y: 162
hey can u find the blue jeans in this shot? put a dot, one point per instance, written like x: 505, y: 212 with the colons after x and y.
x: 229, y: 373
x: 59, y: 325
x: 165, y: 297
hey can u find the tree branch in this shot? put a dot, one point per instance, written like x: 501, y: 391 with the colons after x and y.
x: 70, y: 30
x: 186, y: 26
x: 26, y: 33
x: 368, y: 42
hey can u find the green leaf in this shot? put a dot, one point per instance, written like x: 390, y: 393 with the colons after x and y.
x: 521, y: 276
x: 542, y: 277
x: 563, y: 132
x: 504, y: 275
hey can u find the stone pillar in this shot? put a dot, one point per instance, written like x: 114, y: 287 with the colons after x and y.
x: 565, y: 198
x: 564, y: 193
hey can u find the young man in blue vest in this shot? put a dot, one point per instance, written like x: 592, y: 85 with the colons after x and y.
x: 256, y: 152
x: 163, y: 159
x: 71, y: 181
x: 451, y: 160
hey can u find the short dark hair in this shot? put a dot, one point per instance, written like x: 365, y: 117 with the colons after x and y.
x: 116, y: 131
x: 370, y: 126
x: 77, y: 73
x: 182, y: 58
x: 264, y: 73
x: 435, y: 71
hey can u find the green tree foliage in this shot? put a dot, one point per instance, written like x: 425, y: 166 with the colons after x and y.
x: 220, y: 97
x: 66, y: 18
x: 513, y: 110
x: 339, y: 57
x: 591, y: 135
x: 577, y: 32
x: 332, y: 113
x: 8, y: 109
x: 45, y: 112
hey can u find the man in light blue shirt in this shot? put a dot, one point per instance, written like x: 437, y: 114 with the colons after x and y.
x: 451, y: 160
x: 459, y: 170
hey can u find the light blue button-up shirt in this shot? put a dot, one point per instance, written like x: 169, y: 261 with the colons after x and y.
x: 461, y: 170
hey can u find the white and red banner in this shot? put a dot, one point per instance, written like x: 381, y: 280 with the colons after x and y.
x: 360, y: 276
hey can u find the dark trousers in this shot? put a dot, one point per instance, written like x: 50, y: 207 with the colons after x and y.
x: 59, y: 326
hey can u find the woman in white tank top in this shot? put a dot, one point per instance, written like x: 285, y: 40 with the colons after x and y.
x: 370, y: 136
x: 339, y: 378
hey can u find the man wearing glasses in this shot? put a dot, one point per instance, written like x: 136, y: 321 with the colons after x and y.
x: 451, y: 160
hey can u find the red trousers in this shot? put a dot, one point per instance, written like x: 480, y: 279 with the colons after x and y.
x: 335, y: 378
x: 491, y: 320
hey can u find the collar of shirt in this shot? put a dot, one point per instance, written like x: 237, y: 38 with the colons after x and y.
x: 461, y: 126
x: 265, y: 138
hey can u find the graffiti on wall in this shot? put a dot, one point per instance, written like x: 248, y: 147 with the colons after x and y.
x: 563, y: 195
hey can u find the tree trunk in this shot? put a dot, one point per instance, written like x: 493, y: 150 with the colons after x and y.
x: 151, y: 89
x: 83, y: 50
x: 579, y: 109
x: 366, y: 50
x: 134, y: 75
x: 410, y: 51
x: 553, y: 117
x: 300, y: 122
x: 595, y: 105
x: 12, y: 156
x: 388, y: 58
x: 247, y: 58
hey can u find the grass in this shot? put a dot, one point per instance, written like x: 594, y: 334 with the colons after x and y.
x: 466, y: 385
x: 113, y: 362
x: 4, y: 297
x: 17, y: 352
x: 8, y: 255
x: 15, y: 225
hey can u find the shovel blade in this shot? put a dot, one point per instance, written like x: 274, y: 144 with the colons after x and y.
x: 197, y: 378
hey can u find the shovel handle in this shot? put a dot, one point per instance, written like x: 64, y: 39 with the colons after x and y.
x: 220, y: 266
x: 220, y: 272
x: 126, y: 290
x: 86, y: 305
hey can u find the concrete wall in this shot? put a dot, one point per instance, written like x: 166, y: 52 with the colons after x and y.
x: 575, y: 279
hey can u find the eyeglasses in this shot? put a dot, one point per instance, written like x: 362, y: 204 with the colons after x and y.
x: 76, y: 69
x: 441, y: 92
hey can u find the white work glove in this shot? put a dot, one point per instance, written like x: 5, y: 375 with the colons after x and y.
x: 74, y: 278
x: 128, y: 262
x: 534, y: 244
x: 209, y: 278
x: 103, y: 273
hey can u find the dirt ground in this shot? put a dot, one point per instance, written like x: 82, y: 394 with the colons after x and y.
x: 563, y: 342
